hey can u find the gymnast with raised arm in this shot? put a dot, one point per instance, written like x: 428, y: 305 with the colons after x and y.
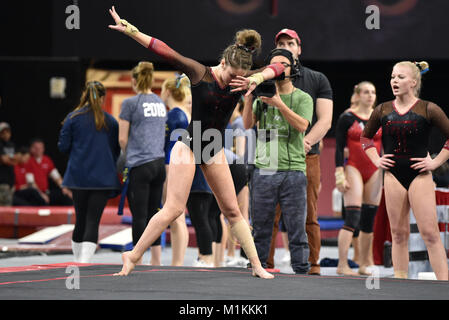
x: 215, y: 92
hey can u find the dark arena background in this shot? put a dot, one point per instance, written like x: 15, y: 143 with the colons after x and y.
x: 46, y: 42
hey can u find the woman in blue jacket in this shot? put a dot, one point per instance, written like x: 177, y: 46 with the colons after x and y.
x: 90, y: 136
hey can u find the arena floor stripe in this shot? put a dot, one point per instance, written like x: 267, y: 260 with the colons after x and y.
x: 96, y: 282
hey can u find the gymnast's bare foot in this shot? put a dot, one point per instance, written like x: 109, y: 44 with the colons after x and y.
x: 346, y: 271
x: 128, y: 264
x: 259, y: 271
x: 363, y: 270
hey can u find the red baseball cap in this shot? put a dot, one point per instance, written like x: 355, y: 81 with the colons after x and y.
x: 288, y: 32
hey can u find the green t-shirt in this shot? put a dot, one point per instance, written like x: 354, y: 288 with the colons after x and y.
x: 285, y: 148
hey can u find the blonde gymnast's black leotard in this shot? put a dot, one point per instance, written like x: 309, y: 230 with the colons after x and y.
x: 405, y: 135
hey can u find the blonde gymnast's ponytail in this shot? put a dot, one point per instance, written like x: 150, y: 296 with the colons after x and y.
x: 418, y: 69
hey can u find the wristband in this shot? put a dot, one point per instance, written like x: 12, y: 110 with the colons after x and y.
x: 130, y: 29
x: 278, y: 68
x: 339, y: 177
x: 256, y: 78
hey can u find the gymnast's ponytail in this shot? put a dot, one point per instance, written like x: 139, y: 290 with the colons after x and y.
x: 91, y: 99
x: 240, y: 54
x: 179, y: 87
x: 143, y: 74
x: 423, y: 66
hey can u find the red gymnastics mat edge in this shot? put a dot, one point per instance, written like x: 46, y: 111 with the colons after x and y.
x: 38, y: 267
x: 18, y: 222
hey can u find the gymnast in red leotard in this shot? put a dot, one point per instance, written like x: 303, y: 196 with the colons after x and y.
x: 351, y: 126
x: 359, y: 180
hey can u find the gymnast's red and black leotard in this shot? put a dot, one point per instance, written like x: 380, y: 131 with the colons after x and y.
x: 405, y: 135
x: 349, y: 130
x: 212, y: 105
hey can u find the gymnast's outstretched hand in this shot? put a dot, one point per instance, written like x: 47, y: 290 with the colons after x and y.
x: 241, y: 84
x: 118, y: 24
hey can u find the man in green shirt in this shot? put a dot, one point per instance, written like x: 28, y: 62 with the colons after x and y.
x: 279, y: 176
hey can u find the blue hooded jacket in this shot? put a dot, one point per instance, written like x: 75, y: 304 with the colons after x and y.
x: 92, y: 154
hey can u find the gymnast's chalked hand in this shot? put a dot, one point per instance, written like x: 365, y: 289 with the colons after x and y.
x: 241, y: 84
x: 344, y: 186
x: 118, y: 25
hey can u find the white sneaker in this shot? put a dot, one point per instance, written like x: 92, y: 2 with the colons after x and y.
x: 238, y: 262
x: 228, y: 259
x: 286, y: 259
x: 243, y: 263
x: 201, y: 264
x: 231, y: 262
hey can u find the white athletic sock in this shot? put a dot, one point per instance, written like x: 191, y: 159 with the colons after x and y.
x: 87, y: 251
x: 76, y: 249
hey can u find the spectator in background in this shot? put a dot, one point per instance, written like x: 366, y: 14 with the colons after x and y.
x: 317, y: 85
x: 279, y: 176
x: 40, y: 168
x: 90, y: 136
x: 26, y: 192
x: 142, y: 136
x: 7, y: 162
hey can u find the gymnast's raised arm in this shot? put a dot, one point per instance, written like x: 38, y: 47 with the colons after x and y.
x: 193, y: 69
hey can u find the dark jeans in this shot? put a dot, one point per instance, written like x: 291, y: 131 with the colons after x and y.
x: 312, y: 225
x: 288, y: 188
x: 145, y: 194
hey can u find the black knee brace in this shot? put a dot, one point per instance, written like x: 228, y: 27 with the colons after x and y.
x: 367, y: 217
x: 352, y: 218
